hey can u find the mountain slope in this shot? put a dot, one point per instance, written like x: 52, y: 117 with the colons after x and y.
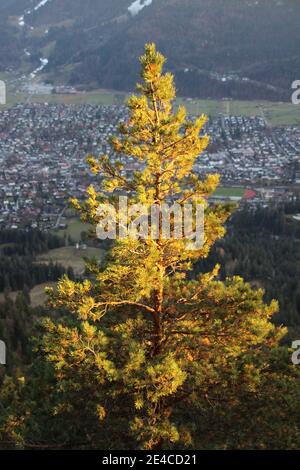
x: 234, y: 48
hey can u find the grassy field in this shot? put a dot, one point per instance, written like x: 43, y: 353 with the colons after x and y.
x: 69, y: 256
x: 4, y: 76
x: 230, y: 192
x: 215, y: 107
x: 278, y: 114
x: 75, y: 228
x: 14, y: 99
x: 97, y: 97
x: 37, y: 294
x: 197, y: 107
x: 286, y: 114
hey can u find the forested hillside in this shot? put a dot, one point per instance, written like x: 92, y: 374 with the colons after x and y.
x: 18, y: 262
x: 263, y: 246
x: 217, y: 48
x: 148, y: 349
x: 141, y: 353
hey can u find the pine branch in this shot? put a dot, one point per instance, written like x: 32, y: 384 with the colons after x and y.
x: 125, y: 302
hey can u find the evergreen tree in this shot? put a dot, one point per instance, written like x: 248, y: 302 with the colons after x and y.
x: 142, y: 355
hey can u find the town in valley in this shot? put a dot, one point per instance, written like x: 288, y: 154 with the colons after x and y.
x: 43, y: 149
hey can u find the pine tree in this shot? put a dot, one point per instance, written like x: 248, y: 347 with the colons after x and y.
x: 143, y: 355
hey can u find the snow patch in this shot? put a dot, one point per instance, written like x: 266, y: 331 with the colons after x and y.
x: 44, y: 62
x: 41, y: 4
x: 138, y: 5
x: 29, y: 11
